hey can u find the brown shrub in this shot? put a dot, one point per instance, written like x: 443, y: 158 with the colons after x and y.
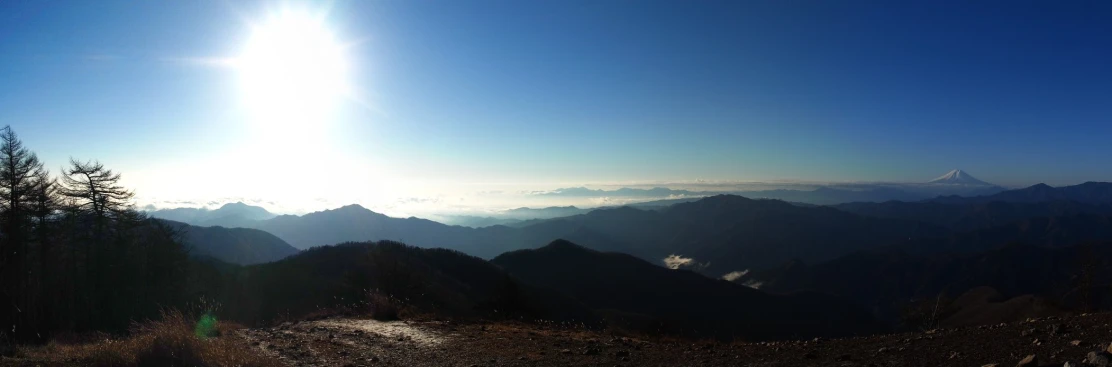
x: 383, y: 307
x: 166, y: 342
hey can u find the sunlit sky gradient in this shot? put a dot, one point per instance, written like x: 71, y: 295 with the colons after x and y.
x: 453, y: 98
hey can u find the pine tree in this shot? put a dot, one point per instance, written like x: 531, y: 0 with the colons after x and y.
x: 43, y: 211
x: 93, y: 195
x: 19, y: 170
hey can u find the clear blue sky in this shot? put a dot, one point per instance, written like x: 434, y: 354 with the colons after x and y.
x: 564, y: 92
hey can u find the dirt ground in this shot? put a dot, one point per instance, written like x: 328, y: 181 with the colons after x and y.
x: 357, y: 342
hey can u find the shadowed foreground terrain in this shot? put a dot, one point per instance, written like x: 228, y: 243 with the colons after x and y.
x: 372, y: 343
x: 362, y: 342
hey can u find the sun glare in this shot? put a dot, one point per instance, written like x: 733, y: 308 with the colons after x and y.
x: 293, y: 72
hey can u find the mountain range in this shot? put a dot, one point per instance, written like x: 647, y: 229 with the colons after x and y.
x: 228, y: 215
x: 1028, y: 246
x: 737, y: 232
x: 1095, y: 193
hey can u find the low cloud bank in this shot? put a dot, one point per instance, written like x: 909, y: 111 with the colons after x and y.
x: 734, y: 275
x: 675, y: 262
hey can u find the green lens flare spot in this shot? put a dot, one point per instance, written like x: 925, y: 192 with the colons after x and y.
x: 206, y: 327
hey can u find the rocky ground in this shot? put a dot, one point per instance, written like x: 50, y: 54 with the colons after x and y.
x: 1052, y: 341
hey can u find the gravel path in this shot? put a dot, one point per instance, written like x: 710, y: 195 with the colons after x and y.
x: 354, y: 342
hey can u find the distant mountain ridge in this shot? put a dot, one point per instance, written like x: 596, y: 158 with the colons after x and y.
x: 736, y: 232
x: 1087, y: 193
x: 228, y: 215
x: 725, y: 233
x: 509, y: 217
x: 968, y: 213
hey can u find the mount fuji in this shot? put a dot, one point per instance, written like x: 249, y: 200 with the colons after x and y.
x: 958, y: 177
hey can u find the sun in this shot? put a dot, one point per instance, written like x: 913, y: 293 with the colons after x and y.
x: 292, y: 71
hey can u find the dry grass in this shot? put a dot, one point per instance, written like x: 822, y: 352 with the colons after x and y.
x: 383, y: 308
x: 170, y: 341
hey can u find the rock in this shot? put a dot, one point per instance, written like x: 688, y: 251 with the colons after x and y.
x: 1028, y: 332
x: 621, y: 353
x: 991, y: 365
x: 1101, y: 359
x: 1075, y: 343
x: 565, y: 351
x: 1109, y: 349
x: 1069, y: 364
x: 843, y: 358
x: 1030, y: 361
x: 591, y: 352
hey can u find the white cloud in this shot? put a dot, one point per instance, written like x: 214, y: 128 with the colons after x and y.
x: 674, y: 261
x: 734, y: 275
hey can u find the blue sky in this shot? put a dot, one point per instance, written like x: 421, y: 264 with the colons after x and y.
x: 481, y: 95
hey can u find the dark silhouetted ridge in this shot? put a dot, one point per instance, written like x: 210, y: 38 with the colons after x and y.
x: 1093, y: 193
x: 243, y: 246
x: 563, y: 245
x: 632, y: 293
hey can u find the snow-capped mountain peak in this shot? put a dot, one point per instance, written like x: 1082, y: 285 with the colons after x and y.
x: 958, y: 176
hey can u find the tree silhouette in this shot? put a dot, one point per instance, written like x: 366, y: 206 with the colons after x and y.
x: 74, y: 255
x: 43, y: 208
x: 95, y: 190
x: 19, y: 170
